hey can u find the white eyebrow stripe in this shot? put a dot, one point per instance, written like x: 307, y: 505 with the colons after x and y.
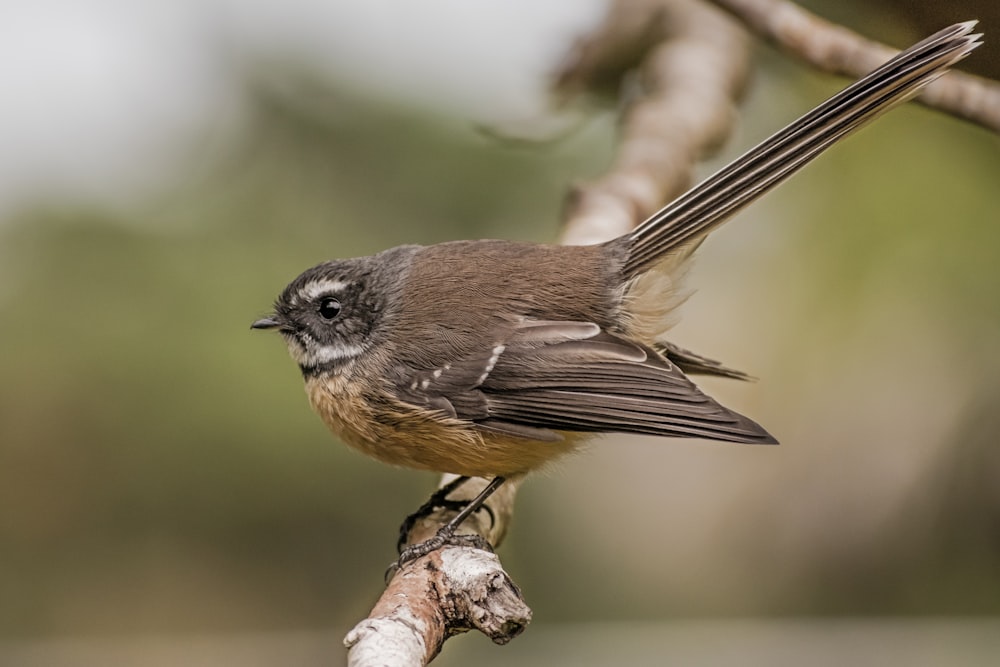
x: 313, y: 289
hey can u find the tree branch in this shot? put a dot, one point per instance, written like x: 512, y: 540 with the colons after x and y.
x: 835, y: 49
x: 447, y: 592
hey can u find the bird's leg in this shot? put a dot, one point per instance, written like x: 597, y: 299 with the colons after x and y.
x: 438, y: 500
x: 446, y: 534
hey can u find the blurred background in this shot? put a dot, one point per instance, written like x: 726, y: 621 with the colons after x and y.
x: 167, y: 497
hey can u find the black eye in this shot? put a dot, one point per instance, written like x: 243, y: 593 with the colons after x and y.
x: 329, y: 308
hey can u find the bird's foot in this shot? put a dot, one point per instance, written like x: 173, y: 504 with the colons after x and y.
x: 445, y: 537
x: 437, y: 501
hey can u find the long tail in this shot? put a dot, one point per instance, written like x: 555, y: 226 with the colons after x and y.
x: 712, y: 202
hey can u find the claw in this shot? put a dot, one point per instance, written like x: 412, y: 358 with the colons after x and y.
x: 444, y: 537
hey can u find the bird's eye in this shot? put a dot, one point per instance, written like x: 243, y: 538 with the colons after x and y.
x: 329, y: 308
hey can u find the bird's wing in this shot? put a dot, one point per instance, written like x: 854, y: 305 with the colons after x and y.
x: 544, y: 377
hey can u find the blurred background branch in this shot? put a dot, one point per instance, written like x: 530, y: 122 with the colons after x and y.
x: 693, y: 69
x: 835, y: 49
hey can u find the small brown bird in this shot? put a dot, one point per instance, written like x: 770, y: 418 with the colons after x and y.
x: 492, y: 358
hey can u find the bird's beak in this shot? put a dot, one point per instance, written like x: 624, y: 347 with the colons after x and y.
x: 265, y: 323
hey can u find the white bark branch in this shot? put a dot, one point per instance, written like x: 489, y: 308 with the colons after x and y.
x: 447, y: 592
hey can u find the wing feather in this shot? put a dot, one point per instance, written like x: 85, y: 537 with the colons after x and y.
x: 544, y: 377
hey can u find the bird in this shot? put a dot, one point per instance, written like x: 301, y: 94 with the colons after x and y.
x: 493, y: 358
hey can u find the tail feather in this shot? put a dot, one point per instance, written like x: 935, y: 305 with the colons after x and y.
x: 712, y: 202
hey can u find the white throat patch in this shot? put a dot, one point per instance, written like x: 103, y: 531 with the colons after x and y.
x: 311, y: 354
